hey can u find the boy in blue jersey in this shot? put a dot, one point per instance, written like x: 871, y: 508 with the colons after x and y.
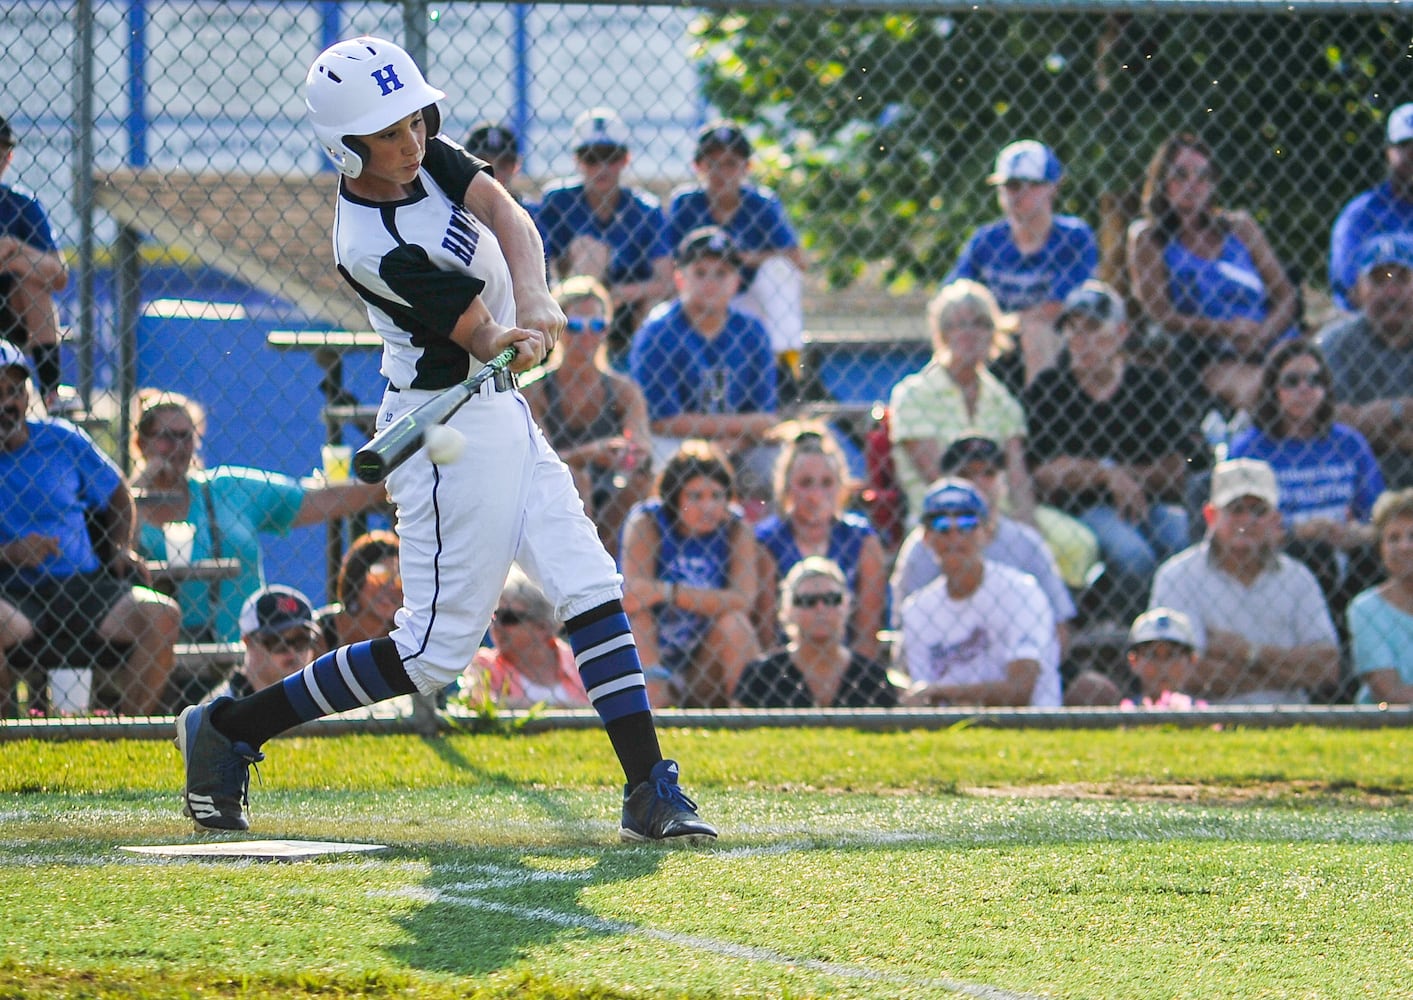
x: 32, y: 271
x: 1031, y: 259
x: 600, y: 227
x: 706, y: 369
x: 772, y: 263
x: 1386, y: 209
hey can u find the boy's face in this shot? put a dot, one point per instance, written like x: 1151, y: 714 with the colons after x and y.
x: 722, y: 170
x: 708, y: 283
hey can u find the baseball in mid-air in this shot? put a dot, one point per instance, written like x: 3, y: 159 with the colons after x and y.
x: 444, y: 444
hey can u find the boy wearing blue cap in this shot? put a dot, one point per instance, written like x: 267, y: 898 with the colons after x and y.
x: 981, y: 633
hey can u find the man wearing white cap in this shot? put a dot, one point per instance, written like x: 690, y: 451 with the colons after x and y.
x: 1032, y: 258
x: 1261, y: 623
x: 1387, y: 208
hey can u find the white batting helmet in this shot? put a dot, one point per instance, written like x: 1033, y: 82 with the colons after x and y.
x: 359, y: 86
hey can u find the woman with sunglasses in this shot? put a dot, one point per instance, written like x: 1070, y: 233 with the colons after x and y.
x: 981, y: 633
x: 816, y: 668
x: 530, y: 664
x: 230, y: 507
x: 595, y: 418
x: 1207, y: 276
x: 1327, y: 472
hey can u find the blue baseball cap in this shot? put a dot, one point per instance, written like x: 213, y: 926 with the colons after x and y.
x: 953, y: 498
x: 1388, y: 248
x: 1027, y: 160
x: 14, y: 357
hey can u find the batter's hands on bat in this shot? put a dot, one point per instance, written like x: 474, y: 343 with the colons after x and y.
x: 536, y: 309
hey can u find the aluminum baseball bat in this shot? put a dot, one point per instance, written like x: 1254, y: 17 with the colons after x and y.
x: 399, y: 440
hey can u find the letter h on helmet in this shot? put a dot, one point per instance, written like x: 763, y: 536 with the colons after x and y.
x: 359, y: 86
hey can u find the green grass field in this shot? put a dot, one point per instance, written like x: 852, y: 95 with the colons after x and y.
x: 968, y: 862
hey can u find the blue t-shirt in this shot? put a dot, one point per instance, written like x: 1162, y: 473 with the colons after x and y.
x: 759, y: 222
x: 24, y: 218
x: 692, y: 560
x: 1372, y: 213
x: 1381, y: 637
x: 247, y: 502
x: 1021, y: 281
x: 637, y: 232
x: 48, y: 485
x: 681, y: 371
x: 1335, y: 476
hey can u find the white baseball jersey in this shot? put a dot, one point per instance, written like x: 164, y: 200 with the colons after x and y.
x: 418, y: 264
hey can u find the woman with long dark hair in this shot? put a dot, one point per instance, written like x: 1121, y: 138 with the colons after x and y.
x: 1207, y: 275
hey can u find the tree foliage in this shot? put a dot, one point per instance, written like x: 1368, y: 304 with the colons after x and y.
x: 884, y: 126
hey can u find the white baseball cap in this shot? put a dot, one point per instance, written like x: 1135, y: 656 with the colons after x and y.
x: 1162, y: 625
x: 1400, y: 124
x: 599, y: 127
x: 1244, y: 477
x: 14, y: 357
x: 1027, y: 160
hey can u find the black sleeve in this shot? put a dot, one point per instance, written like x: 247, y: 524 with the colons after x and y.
x: 452, y: 167
x: 438, y: 297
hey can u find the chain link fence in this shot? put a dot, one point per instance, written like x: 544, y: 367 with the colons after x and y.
x: 913, y: 193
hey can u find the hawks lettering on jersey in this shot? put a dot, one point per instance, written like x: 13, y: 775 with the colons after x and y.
x: 462, y: 235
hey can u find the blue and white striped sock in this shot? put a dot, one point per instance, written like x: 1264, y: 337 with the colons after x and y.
x: 340, y: 680
x: 608, y: 662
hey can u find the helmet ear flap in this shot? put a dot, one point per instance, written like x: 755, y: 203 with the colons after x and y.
x: 358, y: 155
x: 432, y: 115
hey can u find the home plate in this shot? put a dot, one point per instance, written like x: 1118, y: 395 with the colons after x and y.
x: 284, y: 850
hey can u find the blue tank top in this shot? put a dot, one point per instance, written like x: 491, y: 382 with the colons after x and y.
x: 1229, y: 287
x: 846, y: 540
x: 693, y: 560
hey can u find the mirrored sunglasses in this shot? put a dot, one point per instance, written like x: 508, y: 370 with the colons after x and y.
x: 945, y: 524
x: 829, y: 599
x: 578, y: 324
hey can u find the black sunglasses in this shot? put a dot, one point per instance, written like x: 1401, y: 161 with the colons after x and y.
x: 509, y: 616
x: 285, y: 643
x: 1294, y: 380
x: 830, y: 599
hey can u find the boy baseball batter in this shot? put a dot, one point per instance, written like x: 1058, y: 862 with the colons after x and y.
x: 451, y: 269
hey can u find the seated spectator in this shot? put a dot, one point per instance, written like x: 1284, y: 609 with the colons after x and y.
x: 1263, y: 628
x: 32, y: 272
x: 953, y: 396
x: 1162, y: 657
x: 1371, y: 357
x: 978, y: 461
x: 229, y: 506
x: 772, y: 263
x: 705, y: 368
x: 599, y: 227
x: 280, y: 635
x: 1381, y: 618
x: 499, y: 146
x: 811, y: 484
x: 58, y: 581
x: 369, y: 591
x: 1386, y: 210
x: 981, y: 633
x: 595, y: 418
x: 1031, y: 259
x: 1207, y: 276
x: 1107, y: 445
x: 689, y: 581
x: 1326, y: 471
x: 530, y: 664
x: 816, y: 668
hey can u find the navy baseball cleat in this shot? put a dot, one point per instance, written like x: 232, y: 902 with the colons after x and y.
x: 657, y: 809
x: 217, y: 771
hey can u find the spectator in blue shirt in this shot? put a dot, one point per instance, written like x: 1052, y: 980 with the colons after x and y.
x: 772, y: 263
x: 54, y: 582
x: 32, y: 271
x: 1387, y: 208
x: 1327, y: 473
x: 705, y: 368
x: 1031, y: 259
x: 597, y: 226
